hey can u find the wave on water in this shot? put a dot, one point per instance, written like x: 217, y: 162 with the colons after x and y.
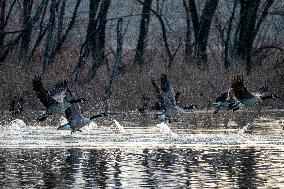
x: 166, y: 130
x: 119, y: 126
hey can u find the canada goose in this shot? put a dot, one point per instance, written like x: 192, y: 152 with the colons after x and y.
x: 166, y: 97
x: 225, y: 100
x: 54, y: 102
x: 158, y: 106
x: 75, y: 119
x: 245, y: 97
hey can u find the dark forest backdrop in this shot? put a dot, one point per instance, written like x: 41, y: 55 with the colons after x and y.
x: 109, y: 49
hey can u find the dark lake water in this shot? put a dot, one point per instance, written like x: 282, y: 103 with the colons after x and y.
x: 200, y: 150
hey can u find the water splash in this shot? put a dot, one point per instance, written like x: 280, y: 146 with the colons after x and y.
x: 91, y: 126
x: 17, y: 124
x: 166, y: 130
x: 245, y: 129
x: 119, y: 126
x: 63, y: 120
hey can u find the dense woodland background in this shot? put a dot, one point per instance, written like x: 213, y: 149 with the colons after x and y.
x: 110, y: 49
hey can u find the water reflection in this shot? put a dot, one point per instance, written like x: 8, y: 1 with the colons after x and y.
x: 138, y: 168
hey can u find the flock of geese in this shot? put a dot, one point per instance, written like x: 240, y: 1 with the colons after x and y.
x: 63, y: 99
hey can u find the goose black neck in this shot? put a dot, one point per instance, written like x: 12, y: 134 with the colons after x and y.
x: 266, y: 97
x: 98, y: 115
x: 75, y: 101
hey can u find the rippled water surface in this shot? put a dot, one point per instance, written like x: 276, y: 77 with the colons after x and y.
x: 200, y: 150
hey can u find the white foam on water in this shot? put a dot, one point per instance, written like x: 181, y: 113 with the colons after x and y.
x: 63, y: 120
x: 119, y: 126
x: 245, y: 129
x: 16, y: 124
x: 91, y: 126
x: 166, y: 130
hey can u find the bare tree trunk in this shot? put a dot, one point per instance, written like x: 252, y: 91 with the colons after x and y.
x: 90, y: 38
x: 2, y: 21
x: 164, y: 33
x: 248, y: 16
x: 144, y: 24
x: 188, y: 49
x: 203, y: 30
x: 41, y: 34
x: 249, y: 26
x: 194, y: 17
x: 5, y: 49
x: 117, y: 56
x: 98, y: 50
x: 228, y: 53
x: 49, y: 36
x: 60, y: 41
x: 27, y: 26
x: 92, y: 25
x: 60, y: 20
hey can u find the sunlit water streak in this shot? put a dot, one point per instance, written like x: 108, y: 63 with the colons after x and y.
x: 199, y: 151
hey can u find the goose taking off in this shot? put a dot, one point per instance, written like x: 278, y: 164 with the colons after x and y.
x: 54, y: 102
x: 239, y: 96
x: 246, y: 98
x: 75, y: 120
x: 225, y: 100
x: 74, y: 117
x: 166, y: 97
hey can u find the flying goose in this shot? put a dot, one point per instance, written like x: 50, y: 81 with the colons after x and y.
x: 225, y: 100
x: 157, y: 106
x: 76, y: 120
x: 74, y: 116
x: 245, y: 97
x: 166, y: 97
x: 54, y: 102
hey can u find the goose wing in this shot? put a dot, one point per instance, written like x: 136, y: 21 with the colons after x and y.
x: 225, y: 96
x: 240, y: 90
x: 59, y: 91
x: 163, y: 98
x: 222, y: 97
x: 42, y: 94
x: 168, y: 89
x: 73, y: 112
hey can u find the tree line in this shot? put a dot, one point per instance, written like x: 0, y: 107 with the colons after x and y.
x: 30, y: 25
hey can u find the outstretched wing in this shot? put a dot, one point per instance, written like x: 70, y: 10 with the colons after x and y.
x: 240, y: 91
x: 59, y: 91
x: 168, y: 89
x: 73, y: 112
x: 163, y: 98
x: 42, y: 94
